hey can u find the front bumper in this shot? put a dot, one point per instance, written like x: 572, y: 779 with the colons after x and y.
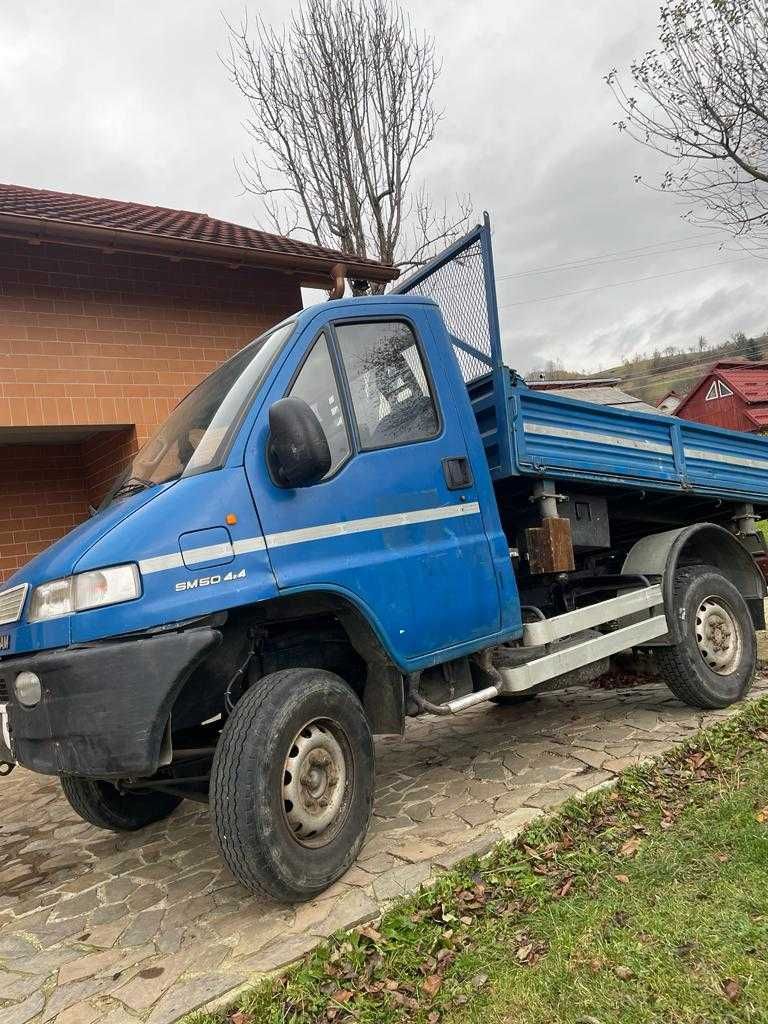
x: 105, y: 705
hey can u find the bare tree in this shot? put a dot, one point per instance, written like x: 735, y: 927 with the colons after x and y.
x: 701, y: 98
x: 342, y: 108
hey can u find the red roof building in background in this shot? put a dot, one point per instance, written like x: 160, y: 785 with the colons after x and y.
x: 732, y: 393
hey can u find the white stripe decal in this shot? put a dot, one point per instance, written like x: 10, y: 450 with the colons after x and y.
x: 730, y: 460
x: 208, y: 553
x: 160, y: 563
x: 343, y: 529
x: 572, y: 434
x: 248, y: 544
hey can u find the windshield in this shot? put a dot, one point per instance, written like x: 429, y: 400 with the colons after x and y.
x: 195, y: 436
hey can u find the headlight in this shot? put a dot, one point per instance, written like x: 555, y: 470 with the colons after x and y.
x: 50, y: 600
x: 93, y: 589
x: 106, y: 586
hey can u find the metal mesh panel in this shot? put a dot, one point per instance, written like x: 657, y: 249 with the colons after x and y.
x: 458, y: 286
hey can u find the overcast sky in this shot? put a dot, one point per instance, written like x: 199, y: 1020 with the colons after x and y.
x: 129, y: 100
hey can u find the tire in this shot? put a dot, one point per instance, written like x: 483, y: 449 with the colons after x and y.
x: 274, y: 832
x: 102, y: 804
x: 714, y: 664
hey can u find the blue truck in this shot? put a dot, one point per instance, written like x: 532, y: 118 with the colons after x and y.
x: 364, y: 515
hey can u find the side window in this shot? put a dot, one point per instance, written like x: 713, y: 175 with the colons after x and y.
x: 389, y: 387
x: 316, y: 384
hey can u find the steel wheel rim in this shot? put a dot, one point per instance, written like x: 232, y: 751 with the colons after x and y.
x: 718, y: 636
x: 317, y: 783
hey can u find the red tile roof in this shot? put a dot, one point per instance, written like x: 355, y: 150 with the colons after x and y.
x: 748, y: 379
x: 192, y: 230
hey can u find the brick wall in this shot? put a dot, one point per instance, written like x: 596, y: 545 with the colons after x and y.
x: 43, y: 494
x: 94, y: 338
x: 89, y: 338
x: 103, y: 456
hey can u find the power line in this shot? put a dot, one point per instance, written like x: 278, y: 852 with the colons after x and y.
x: 620, y: 284
x: 599, y: 256
x: 588, y: 265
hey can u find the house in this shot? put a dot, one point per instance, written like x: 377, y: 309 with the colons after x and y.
x: 109, y: 313
x: 732, y: 393
x: 668, y: 403
x: 600, y: 390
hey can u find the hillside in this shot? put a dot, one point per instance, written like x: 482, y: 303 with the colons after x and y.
x: 651, y: 377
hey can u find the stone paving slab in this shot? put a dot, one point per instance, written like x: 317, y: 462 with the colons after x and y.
x: 103, y: 929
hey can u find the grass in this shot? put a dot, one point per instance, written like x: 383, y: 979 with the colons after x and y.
x: 645, y: 903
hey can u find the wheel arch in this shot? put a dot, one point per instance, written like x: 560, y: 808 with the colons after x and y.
x: 661, y: 554
x: 312, y: 617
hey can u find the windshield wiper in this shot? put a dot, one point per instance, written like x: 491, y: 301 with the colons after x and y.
x: 132, y: 485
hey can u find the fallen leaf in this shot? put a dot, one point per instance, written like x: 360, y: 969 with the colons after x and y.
x: 624, y: 973
x: 433, y: 1017
x: 432, y: 984
x: 762, y: 736
x: 624, y: 879
x: 565, y: 888
x: 479, y: 980
x: 722, y: 857
x: 241, y: 1017
x: 732, y: 989
x: 342, y: 995
x: 630, y: 848
x: 762, y: 815
x: 371, y: 934
x: 524, y: 952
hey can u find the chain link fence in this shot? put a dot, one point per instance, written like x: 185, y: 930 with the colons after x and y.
x: 458, y: 285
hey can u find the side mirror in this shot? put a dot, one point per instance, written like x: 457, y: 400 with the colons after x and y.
x: 298, y: 449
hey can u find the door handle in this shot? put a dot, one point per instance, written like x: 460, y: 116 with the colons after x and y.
x: 457, y: 472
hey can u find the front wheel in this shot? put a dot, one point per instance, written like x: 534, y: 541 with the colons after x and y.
x: 714, y: 663
x: 292, y: 784
x: 102, y: 804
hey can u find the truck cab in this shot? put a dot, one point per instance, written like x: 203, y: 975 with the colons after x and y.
x: 313, y: 546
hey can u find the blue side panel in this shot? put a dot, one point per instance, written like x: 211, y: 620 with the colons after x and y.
x: 725, y: 460
x: 491, y: 398
x: 568, y: 439
x: 559, y: 433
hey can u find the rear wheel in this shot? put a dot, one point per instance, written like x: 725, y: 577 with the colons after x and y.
x: 292, y: 784
x: 714, y: 664
x: 102, y: 804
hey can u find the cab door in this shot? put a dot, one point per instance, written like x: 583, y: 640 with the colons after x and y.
x: 395, y: 524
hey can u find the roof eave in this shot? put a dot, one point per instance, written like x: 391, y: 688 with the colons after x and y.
x: 315, y: 271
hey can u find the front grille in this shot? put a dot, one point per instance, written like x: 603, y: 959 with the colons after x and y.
x: 11, y: 603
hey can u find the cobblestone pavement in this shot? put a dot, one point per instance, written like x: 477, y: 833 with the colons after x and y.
x: 145, y: 927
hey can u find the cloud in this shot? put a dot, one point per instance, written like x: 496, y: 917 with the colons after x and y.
x: 131, y: 101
